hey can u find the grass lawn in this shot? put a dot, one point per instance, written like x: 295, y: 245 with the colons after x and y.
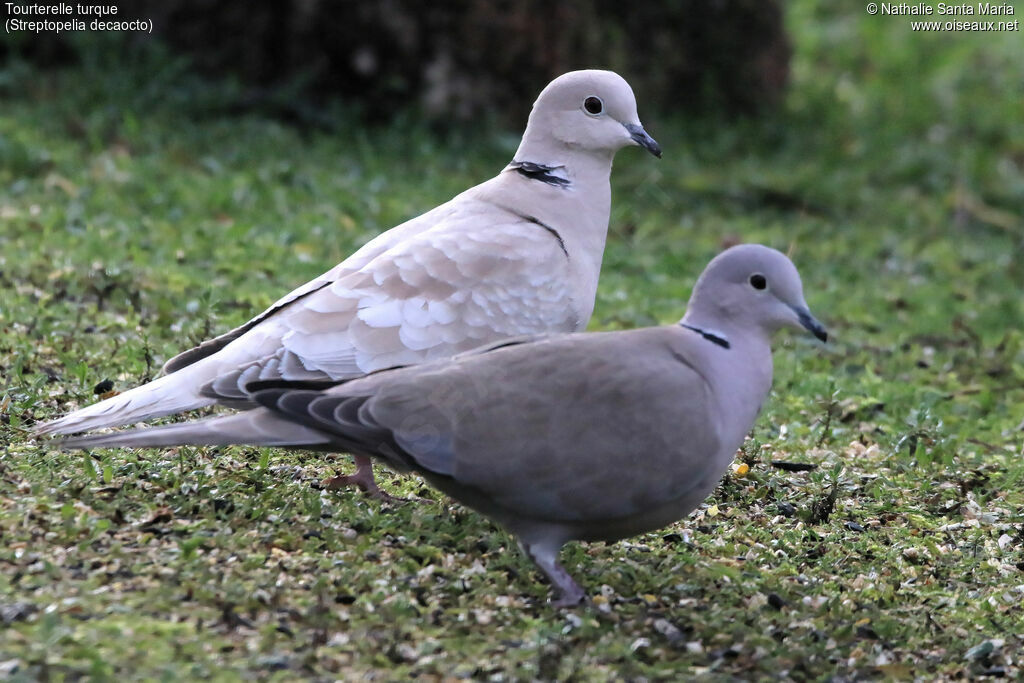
x: 139, y: 216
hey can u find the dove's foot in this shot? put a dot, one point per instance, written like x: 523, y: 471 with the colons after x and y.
x: 573, y: 597
x: 366, y: 484
x: 364, y: 479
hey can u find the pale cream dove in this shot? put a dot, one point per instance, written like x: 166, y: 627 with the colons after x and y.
x: 518, y: 254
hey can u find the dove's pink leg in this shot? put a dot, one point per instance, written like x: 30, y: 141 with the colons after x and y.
x: 363, y: 478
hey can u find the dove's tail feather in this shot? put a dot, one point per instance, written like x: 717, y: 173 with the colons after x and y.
x: 163, y: 396
x: 252, y: 428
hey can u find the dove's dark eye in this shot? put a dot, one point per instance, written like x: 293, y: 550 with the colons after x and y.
x: 593, y: 105
x: 757, y: 281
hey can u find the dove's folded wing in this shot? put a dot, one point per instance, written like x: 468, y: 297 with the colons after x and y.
x: 352, y: 264
x: 444, y: 291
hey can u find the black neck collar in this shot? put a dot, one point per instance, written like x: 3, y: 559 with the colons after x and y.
x: 535, y: 171
x: 710, y: 336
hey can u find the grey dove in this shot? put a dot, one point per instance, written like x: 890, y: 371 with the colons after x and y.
x: 518, y: 254
x: 587, y: 436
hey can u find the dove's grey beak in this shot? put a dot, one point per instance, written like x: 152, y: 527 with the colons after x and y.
x: 641, y: 138
x: 811, y: 323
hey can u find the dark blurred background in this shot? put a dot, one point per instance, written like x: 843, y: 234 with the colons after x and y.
x: 455, y: 59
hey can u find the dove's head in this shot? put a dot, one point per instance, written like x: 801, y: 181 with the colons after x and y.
x: 751, y: 286
x: 589, y: 111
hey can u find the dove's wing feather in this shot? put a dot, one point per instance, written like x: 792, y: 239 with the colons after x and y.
x: 519, y: 446
x: 255, y: 427
x: 352, y: 264
x: 442, y: 292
